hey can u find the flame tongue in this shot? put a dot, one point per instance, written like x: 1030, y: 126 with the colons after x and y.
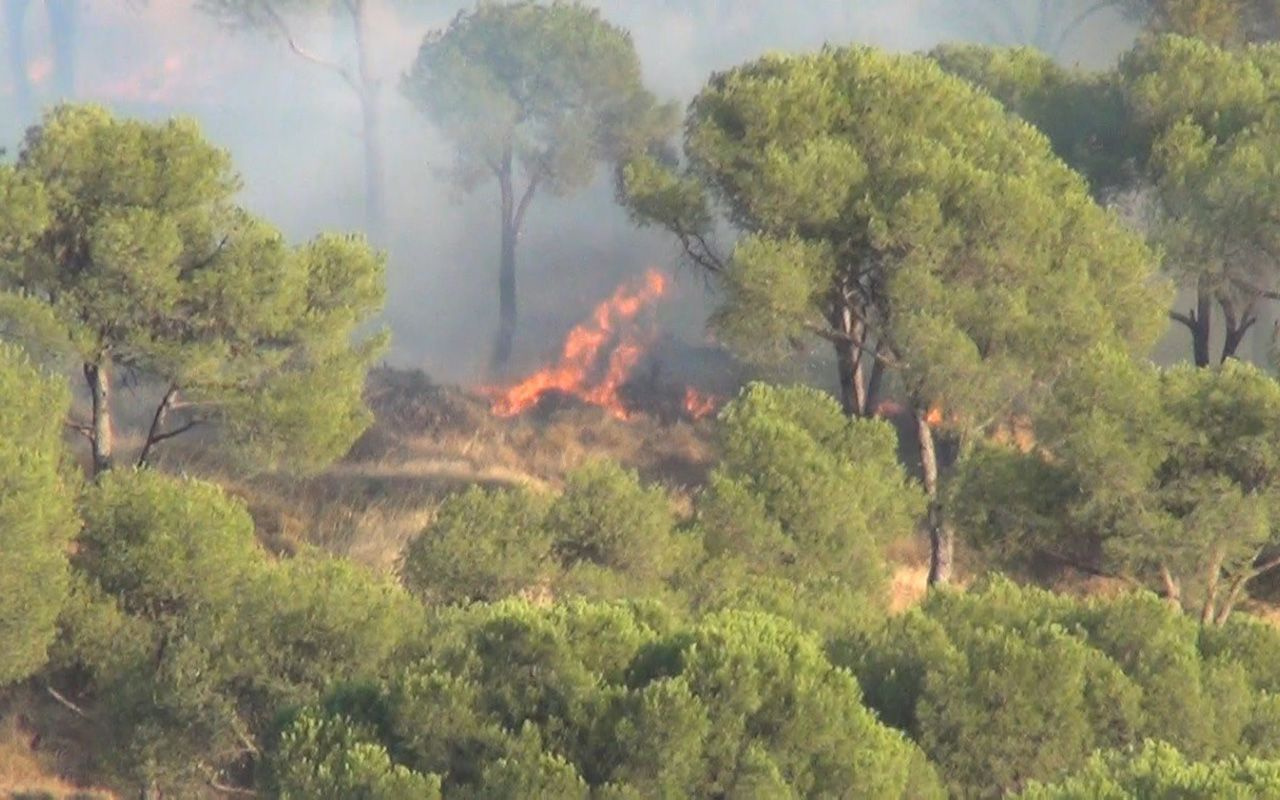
x: 699, y: 405
x: 577, y: 372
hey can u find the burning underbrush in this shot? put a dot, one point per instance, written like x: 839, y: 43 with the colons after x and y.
x: 429, y: 440
x: 613, y: 360
x: 618, y: 389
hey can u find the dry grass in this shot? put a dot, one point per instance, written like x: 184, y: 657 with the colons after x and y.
x: 428, y: 441
x: 29, y: 771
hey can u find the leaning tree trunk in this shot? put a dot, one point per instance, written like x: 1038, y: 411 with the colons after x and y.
x: 941, y: 535
x: 102, y: 436
x: 371, y: 127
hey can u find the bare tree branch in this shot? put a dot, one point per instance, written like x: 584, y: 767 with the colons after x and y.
x: 1077, y: 21
x: 70, y: 706
x: 1186, y: 319
x: 81, y: 428
x: 157, y: 420
x: 283, y: 28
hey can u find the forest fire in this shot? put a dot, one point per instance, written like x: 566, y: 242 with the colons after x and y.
x: 698, y: 404
x: 598, y: 358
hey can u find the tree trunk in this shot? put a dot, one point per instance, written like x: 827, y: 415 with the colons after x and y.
x: 371, y: 127
x: 1200, y: 330
x: 1213, y: 576
x: 1237, y: 324
x: 941, y: 536
x: 506, y: 294
x: 98, y: 377
x: 1233, y: 596
x: 853, y: 397
x: 1172, y: 591
x: 873, y: 383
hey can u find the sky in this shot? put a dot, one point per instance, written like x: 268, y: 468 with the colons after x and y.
x: 292, y: 128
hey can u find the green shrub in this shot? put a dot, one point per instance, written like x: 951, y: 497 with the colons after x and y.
x: 37, y: 516
x: 514, y: 701
x: 1157, y: 770
x: 482, y: 546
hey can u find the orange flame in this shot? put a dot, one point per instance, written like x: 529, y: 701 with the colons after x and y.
x: 579, y: 364
x: 934, y: 417
x: 699, y: 405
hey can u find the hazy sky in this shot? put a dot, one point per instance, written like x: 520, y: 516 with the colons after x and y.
x: 293, y: 129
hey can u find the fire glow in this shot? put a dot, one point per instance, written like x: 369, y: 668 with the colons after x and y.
x: 598, y: 356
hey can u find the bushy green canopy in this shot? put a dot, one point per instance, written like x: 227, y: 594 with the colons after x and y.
x: 796, y: 516
x: 1083, y: 114
x: 130, y: 235
x: 516, y: 702
x: 1003, y: 685
x: 880, y: 185
x: 1158, y: 770
x: 1142, y: 472
x: 190, y: 642
x: 37, y: 518
x: 554, y: 86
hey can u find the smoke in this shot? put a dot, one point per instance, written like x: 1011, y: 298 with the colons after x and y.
x: 293, y: 130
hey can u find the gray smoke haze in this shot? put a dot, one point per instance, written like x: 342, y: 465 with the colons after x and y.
x: 293, y: 130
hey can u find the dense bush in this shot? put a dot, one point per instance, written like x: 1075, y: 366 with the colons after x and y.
x: 1158, y: 770
x: 36, y: 513
x: 188, y: 641
x: 796, y: 516
x: 1004, y: 685
x: 605, y: 536
x: 482, y: 546
x: 516, y: 702
x: 1170, y: 477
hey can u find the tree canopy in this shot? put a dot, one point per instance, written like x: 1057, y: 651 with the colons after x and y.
x: 1004, y: 685
x: 595, y: 700
x: 898, y: 213
x: 148, y: 266
x: 534, y: 96
x: 1165, y: 477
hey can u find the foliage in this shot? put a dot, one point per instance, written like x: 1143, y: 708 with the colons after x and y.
x: 534, y: 96
x: 605, y: 536
x: 1158, y: 770
x: 515, y: 702
x: 1205, y: 115
x: 1168, y: 477
x: 796, y: 515
x: 605, y: 518
x: 150, y: 267
x: 858, y: 180
x: 1221, y: 22
x: 37, y: 517
x: 1084, y: 115
x: 554, y: 87
x: 333, y: 759
x: 189, y: 642
x: 482, y: 545
x: 1003, y: 685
